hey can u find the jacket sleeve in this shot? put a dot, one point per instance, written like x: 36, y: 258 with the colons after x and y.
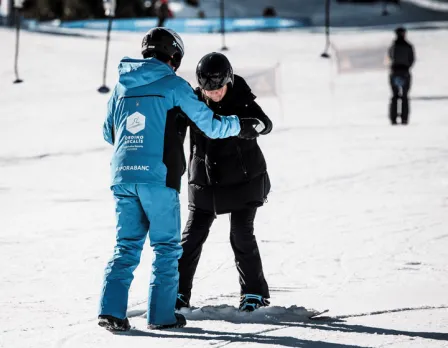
x: 247, y: 107
x: 213, y: 126
x: 108, y: 127
x: 253, y: 110
x: 412, y: 55
x: 391, y: 52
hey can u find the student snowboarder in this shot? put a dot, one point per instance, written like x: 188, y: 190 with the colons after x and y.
x: 226, y: 176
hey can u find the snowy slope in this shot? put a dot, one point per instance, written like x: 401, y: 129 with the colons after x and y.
x: 356, y: 220
x: 342, y: 14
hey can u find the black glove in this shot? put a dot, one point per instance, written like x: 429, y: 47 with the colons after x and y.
x: 266, y: 124
x: 253, y: 110
x: 248, y: 128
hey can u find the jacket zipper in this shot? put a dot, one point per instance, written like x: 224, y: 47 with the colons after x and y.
x: 214, y: 200
x: 211, y: 184
x: 240, y: 156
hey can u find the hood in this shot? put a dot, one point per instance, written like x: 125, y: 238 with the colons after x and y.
x: 139, y: 72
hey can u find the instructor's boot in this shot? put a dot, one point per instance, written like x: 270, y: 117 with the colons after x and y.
x: 180, y: 322
x: 114, y: 324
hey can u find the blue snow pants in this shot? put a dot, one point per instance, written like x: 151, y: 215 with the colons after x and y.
x: 144, y: 209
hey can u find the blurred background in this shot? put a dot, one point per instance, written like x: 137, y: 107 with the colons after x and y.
x: 312, y: 12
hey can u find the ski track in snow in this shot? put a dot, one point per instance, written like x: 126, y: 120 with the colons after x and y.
x: 4, y: 161
x: 231, y: 314
x: 269, y: 315
x: 389, y: 311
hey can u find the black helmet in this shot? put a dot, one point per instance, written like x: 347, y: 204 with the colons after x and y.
x: 163, y: 43
x: 214, y: 71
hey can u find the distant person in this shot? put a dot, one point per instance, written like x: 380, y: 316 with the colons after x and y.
x: 385, y: 11
x: 269, y: 12
x: 150, y: 8
x: 227, y: 176
x: 147, y: 164
x: 194, y: 3
x: 163, y: 12
x: 401, y: 55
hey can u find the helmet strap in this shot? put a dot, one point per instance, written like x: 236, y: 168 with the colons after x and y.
x: 175, y: 61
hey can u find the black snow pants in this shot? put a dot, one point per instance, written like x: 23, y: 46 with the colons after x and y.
x: 244, y: 245
x: 400, y: 83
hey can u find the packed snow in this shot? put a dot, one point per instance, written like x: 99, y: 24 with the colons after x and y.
x: 356, y: 221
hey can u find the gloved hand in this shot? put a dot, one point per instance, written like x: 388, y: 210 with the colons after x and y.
x: 248, y: 128
x: 262, y: 128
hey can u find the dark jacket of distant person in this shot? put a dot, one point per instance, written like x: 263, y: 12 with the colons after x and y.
x: 402, y: 55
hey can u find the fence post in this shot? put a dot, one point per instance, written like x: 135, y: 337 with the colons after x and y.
x: 325, y: 54
x: 223, y: 27
x: 18, y: 5
x: 109, y: 10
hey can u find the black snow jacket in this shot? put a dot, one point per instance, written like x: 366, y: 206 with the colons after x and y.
x: 401, y: 54
x: 226, y: 175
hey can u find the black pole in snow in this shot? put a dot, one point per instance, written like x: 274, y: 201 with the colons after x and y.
x: 16, y: 59
x: 223, y: 28
x: 11, y: 13
x: 325, y: 54
x: 104, y: 88
x: 385, y: 12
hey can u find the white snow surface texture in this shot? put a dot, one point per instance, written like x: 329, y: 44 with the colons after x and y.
x: 357, y: 220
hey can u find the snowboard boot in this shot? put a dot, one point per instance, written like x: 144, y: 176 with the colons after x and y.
x: 250, y: 302
x: 180, y: 322
x: 182, y: 302
x: 114, y: 324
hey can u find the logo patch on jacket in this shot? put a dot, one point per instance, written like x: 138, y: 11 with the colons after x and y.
x: 126, y: 168
x: 135, y: 123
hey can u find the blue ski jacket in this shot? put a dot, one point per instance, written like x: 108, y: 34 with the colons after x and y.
x: 142, y: 123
